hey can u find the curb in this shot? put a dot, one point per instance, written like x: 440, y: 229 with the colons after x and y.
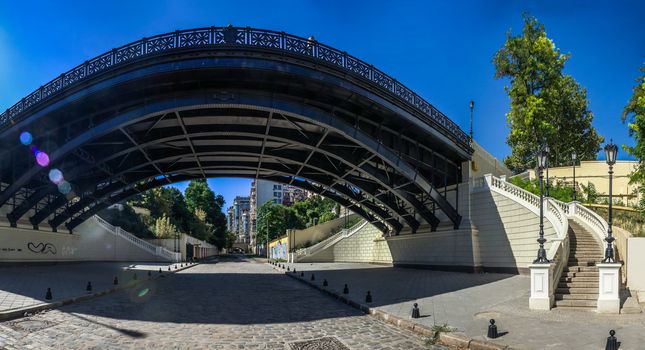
x: 23, y: 311
x: 454, y: 339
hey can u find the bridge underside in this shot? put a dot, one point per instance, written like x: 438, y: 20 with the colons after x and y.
x: 257, y: 114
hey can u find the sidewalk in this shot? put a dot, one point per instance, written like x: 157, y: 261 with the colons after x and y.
x: 25, y: 286
x: 467, y: 301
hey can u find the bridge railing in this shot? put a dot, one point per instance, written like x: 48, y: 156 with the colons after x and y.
x: 234, y: 37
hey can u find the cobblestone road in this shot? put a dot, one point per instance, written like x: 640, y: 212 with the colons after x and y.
x: 230, y: 305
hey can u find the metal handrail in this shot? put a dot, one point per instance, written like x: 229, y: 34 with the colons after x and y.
x: 228, y: 37
x: 331, y: 239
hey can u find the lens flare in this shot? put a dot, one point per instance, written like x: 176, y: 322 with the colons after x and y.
x: 26, y: 138
x: 64, y: 187
x: 143, y: 292
x: 42, y: 159
x: 56, y: 176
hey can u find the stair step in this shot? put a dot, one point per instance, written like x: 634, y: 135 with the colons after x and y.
x: 566, y: 278
x: 572, y: 268
x: 575, y: 290
x: 576, y: 297
x: 582, y: 304
x: 578, y: 284
x: 593, y: 275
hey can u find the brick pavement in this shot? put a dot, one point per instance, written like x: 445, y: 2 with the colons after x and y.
x: 467, y: 301
x: 22, y: 286
x: 229, y: 305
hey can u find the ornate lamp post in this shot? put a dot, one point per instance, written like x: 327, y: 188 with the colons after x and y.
x: 542, y: 159
x: 546, y: 165
x: 610, y: 153
x: 573, y: 157
x: 472, y: 105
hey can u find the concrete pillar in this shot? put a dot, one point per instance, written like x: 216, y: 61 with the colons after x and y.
x: 609, y: 287
x: 542, y: 296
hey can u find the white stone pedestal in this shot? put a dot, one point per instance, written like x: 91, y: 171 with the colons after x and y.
x: 609, y: 287
x: 542, y: 296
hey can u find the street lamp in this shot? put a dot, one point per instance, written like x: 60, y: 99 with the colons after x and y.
x: 610, y: 153
x: 573, y: 157
x: 472, y: 105
x: 542, y: 159
x: 547, y: 151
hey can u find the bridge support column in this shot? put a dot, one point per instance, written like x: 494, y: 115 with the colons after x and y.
x: 542, y: 296
x: 609, y: 288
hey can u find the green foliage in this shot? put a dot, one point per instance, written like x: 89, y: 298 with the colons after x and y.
x: 316, y: 210
x: 634, y: 114
x: 200, y: 197
x: 274, y: 219
x: 164, y: 228
x: 128, y: 220
x: 558, y: 190
x: 546, y: 105
x: 436, y: 335
x: 589, y: 193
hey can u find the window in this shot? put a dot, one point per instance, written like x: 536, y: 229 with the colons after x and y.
x: 277, y: 187
x: 277, y: 194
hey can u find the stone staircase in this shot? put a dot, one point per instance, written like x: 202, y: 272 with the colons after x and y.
x: 578, y: 285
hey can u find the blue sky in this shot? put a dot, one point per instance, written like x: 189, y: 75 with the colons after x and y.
x: 442, y: 50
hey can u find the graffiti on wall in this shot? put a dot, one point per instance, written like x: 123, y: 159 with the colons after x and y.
x: 279, y: 250
x: 42, y: 248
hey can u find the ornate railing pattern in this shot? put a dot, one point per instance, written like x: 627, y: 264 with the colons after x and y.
x: 235, y: 37
x: 515, y: 191
x: 149, y: 247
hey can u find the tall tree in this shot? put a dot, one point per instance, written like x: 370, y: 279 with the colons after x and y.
x: 200, y: 197
x: 274, y: 219
x: 546, y: 105
x: 634, y: 115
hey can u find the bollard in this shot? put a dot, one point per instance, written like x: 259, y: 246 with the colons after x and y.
x: 492, y: 330
x: 48, y: 295
x: 325, y: 284
x: 313, y: 277
x: 89, y: 287
x: 302, y: 274
x: 168, y: 268
x: 134, y: 277
x: 345, y: 290
x: 288, y: 268
x: 368, y: 297
x: 160, y: 270
x: 612, y: 342
x: 415, y: 311
x: 294, y: 270
x: 149, y: 273
x: 175, y: 267
x: 116, y: 281
x: 182, y: 265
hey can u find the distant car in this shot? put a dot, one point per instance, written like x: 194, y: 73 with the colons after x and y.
x: 237, y: 251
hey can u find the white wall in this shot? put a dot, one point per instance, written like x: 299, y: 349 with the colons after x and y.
x: 636, y: 263
x: 90, y: 242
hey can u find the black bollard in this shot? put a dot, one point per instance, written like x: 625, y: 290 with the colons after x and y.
x: 89, y: 287
x: 182, y: 265
x: 345, y: 290
x: 149, y: 273
x: 612, y: 342
x: 368, y: 297
x: 313, y: 277
x: 288, y: 268
x: 160, y: 270
x: 294, y: 270
x: 325, y: 284
x: 175, y: 267
x: 134, y: 277
x: 415, y: 311
x: 48, y: 295
x: 492, y: 330
x: 168, y: 268
x: 302, y: 274
x: 116, y: 281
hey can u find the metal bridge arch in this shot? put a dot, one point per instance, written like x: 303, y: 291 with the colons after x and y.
x: 313, y: 116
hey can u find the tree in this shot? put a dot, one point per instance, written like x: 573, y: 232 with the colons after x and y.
x: 634, y: 114
x: 126, y: 218
x: 200, y: 196
x: 274, y: 219
x: 164, y: 228
x: 546, y: 105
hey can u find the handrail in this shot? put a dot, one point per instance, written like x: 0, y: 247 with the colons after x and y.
x: 151, y: 248
x: 331, y: 240
x: 228, y: 37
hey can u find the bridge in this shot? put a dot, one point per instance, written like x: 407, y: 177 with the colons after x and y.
x: 229, y: 102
